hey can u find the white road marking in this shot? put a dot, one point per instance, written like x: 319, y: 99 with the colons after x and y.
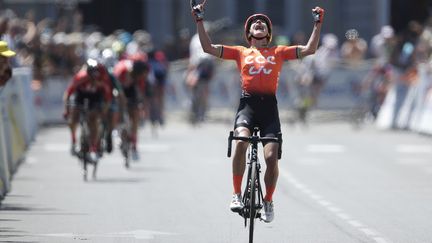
x: 154, y: 148
x: 413, y: 148
x: 324, y: 203
x: 337, y: 211
x: 56, y: 147
x: 343, y: 216
x: 31, y: 160
x: 310, y: 161
x: 411, y: 161
x: 334, y: 209
x: 356, y: 223
x: 380, y: 240
x: 325, y: 148
x: 136, y: 234
x: 143, y: 234
x: 369, y: 232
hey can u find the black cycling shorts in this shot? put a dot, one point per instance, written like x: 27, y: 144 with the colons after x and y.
x: 259, y: 111
x: 95, y: 100
x: 131, y: 94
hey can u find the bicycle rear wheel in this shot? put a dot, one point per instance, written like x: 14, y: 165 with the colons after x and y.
x: 252, y: 202
x: 84, y: 150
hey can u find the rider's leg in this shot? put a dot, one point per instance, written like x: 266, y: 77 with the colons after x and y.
x: 204, y: 99
x: 239, y: 159
x: 73, y: 125
x: 93, y: 121
x: 134, y: 117
x: 161, y: 103
x: 238, y: 168
x: 272, y: 171
x: 111, y: 119
x: 270, y: 179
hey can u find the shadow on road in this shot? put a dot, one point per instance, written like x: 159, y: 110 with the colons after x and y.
x: 9, y: 208
x: 11, y: 241
x: 21, y: 207
x: 8, y: 232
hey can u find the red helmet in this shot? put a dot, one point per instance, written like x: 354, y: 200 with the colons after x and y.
x: 248, y: 24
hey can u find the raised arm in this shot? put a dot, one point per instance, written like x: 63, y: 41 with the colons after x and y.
x: 206, y: 43
x: 313, y: 42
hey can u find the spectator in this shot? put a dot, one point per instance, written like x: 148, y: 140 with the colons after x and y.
x: 5, y: 69
x: 383, y: 44
x: 354, y: 49
x: 321, y: 64
x: 159, y: 68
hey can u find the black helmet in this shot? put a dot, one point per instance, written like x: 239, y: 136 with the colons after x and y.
x: 139, y: 67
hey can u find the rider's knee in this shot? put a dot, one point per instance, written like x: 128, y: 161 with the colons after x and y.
x: 271, y: 157
x: 241, y: 146
x: 74, y: 118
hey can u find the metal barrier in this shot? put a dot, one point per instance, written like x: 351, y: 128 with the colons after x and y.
x: 409, y: 107
x: 18, y: 124
x: 225, y: 86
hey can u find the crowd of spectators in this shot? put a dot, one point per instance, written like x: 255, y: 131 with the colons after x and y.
x: 60, y: 47
x: 392, y: 56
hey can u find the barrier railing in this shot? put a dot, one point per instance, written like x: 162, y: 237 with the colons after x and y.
x: 18, y: 124
x: 408, y: 105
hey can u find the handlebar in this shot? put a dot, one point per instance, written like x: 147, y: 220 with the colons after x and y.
x: 255, y: 139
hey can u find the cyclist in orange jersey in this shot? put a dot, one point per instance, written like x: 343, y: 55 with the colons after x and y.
x: 259, y: 66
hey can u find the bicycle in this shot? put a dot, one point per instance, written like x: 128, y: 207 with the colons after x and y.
x: 252, y: 193
x: 84, y: 151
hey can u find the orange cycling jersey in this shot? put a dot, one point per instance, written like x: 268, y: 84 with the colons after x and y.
x: 260, y: 67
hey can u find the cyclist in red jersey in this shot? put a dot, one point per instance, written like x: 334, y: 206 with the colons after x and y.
x: 90, y: 83
x: 132, y: 75
x: 259, y: 66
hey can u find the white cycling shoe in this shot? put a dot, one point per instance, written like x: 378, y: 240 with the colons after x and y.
x: 135, y: 155
x: 267, y: 213
x: 74, y: 150
x: 236, y: 203
x: 93, y: 157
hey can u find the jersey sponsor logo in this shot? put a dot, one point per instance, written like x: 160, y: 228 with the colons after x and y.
x: 256, y: 71
x: 260, y: 60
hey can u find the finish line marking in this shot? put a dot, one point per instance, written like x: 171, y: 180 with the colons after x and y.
x: 369, y: 232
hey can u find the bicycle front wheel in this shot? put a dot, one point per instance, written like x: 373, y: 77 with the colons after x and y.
x: 252, y: 202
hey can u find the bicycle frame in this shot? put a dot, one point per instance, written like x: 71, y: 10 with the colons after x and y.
x: 84, y: 137
x: 252, y: 194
